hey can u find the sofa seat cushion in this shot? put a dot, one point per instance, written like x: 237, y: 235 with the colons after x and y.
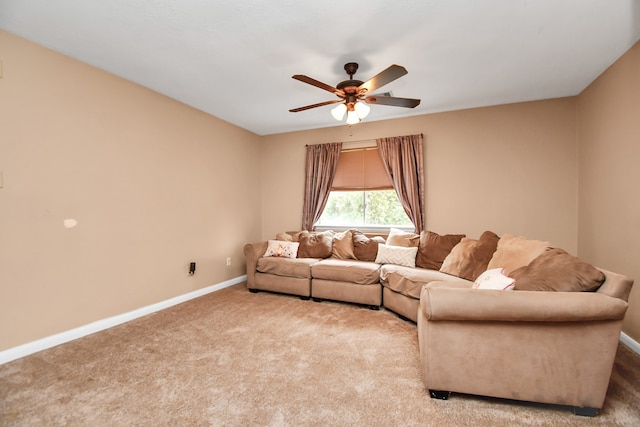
x: 358, y: 272
x: 289, y: 267
x: 409, y: 281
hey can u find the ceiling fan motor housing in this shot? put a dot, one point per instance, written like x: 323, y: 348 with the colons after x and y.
x: 350, y: 86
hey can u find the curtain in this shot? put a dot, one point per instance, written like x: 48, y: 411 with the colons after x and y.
x: 402, y: 158
x: 320, y: 168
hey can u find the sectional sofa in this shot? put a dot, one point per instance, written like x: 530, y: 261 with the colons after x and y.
x: 552, y: 340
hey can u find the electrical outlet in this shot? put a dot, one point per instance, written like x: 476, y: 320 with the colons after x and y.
x: 228, y: 261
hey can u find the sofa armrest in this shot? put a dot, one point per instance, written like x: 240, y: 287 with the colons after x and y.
x: 253, y: 252
x: 440, y: 302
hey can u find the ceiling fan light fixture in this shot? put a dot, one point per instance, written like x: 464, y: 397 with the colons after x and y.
x: 352, y: 118
x: 338, y: 111
x: 362, y: 109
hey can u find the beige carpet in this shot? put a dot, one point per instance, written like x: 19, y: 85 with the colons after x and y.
x: 242, y: 359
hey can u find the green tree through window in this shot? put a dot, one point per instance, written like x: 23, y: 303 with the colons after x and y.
x: 364, y: 208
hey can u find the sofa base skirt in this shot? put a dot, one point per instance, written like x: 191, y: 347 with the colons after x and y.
x: 287, y: 285
x: 347, y: 292
x: 403, y: 305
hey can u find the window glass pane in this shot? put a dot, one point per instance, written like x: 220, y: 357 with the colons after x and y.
x: 364, y: 208
x: 383, y: 207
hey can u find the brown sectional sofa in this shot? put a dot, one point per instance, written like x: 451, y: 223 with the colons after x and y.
x: 555, y: 345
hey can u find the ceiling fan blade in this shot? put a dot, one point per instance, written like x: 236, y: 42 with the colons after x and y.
x: 308, y: 107
x: 316, y: 83
x: 393, y: 101
x: 382, y: 78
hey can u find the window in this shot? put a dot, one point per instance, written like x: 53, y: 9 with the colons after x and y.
x: 362, y: 195
x: 364, y: 209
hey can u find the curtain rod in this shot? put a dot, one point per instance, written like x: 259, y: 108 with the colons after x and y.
x: 357, y: 140
x: 373, y: 139
x: 361, y: 140
x: 368, y: 139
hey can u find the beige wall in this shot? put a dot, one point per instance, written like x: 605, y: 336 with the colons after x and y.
x: 609, y: 201
x: 152, y: 183
x: 510, y: 169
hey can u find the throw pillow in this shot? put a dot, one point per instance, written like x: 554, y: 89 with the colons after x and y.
x: 398, y: 237
x: 516, y: 251
x: 364, y: 248
x: 343, y: 245
x: 557, y: 270
x: 278, y: 248
x: 459, y: 258
x: 494, y: 279
x: 316, y: 244
x: 469, y: 258
x: 434, y: 248
x: 396, y: 255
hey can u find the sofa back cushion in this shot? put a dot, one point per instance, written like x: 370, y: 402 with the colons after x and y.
x: 469, y: 258
x: 434, y: 248
x: 315, y: 244
x: 343, y: 245
x: 365, y: 248
x: 557, y: 270
x: 516, y: 251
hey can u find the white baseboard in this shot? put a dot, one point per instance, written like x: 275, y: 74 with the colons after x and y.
x: 100, y: 325
x: 630, y: 342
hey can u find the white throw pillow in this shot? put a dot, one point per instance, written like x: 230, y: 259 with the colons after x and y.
x: 398, y: 237
x: 282, y: 249
x: 396, y: 255
x: 494, y: 279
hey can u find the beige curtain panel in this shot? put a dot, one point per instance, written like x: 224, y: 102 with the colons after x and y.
x: 320, y: 168
x: 403, y: 160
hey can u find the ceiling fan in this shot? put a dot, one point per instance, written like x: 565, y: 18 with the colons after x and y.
x: 352, y: 93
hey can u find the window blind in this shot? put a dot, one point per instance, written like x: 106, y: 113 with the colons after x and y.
x: 361, y: 169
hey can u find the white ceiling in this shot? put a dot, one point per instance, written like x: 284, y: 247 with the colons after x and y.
x: 235, y: 59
